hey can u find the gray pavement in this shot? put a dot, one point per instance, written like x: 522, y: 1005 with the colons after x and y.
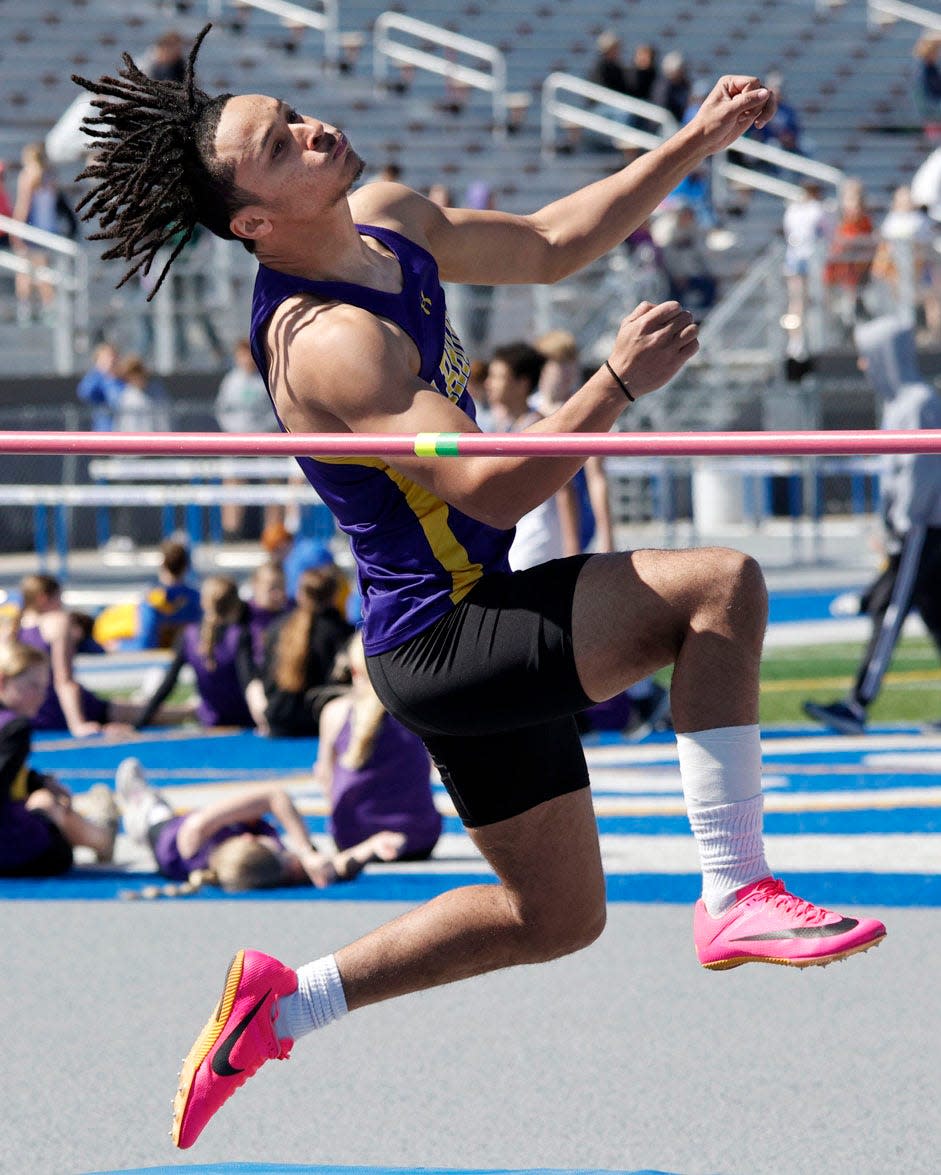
x: 626, y: 1056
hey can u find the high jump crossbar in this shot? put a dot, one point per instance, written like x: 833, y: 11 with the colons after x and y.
x: 830, y: 443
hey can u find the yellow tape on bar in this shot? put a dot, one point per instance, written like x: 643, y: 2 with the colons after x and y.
x: 437, y: 444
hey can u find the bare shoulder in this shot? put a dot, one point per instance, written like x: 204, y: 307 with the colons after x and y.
x: 328, y: 358
x: 397, y: 207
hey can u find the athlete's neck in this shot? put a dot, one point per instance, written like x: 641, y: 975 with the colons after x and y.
x: 332, y: 250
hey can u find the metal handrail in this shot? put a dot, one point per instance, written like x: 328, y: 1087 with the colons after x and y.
x: 69, y: 273
x: 326, y: 22
x: 554, y: 110
x: 39, y: 236
x: 386, y: 48
x: 889, y: 11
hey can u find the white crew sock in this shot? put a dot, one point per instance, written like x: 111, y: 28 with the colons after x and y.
x: 318, y: 1001
x: 721, y: 773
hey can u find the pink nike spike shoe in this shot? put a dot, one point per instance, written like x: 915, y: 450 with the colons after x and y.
x: 235, y: 1043
x: 769, y: 925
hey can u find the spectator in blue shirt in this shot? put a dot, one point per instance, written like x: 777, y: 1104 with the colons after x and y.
x: 101, y: 388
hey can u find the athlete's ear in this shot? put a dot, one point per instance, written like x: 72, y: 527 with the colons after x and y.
x: 250, y: 224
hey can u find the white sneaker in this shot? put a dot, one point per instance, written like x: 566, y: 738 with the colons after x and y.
x: 136, y: 799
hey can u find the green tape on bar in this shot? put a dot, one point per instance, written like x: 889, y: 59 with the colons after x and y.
x: 437, y: 444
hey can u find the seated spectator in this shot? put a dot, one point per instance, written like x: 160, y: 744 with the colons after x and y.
x: 144, y: 405
x: 850, y: 255
x: 686, y: 261
x: 672, y: 88
x: 242, y: 404
x: 219, y: 650
x: 155, y: 621
x: 927, y: 83
x: 608, y: 69
x: 267, y: 602
x: 101, y: 388
x: 374, y: 773
x: 230, y: 843
x: 44, y: 624
x: 300, y: 652
x: 642, y: 72
x: 39, y: 825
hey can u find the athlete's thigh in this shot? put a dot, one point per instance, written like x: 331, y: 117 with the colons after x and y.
x: 627, y: 617
x: 548, y: 858
x: 631, y: 611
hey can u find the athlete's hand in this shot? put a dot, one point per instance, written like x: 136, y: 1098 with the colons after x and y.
x: 734, y: 104
x: 652, y: 344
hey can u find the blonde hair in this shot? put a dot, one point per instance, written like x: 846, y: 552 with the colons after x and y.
x: 34, y: 587
x: 221, y: 606
x: 236, y: 865
x: 240, y: 864
x: 561, y: 346
x: 316, y: 590
x: 366, y: 712
x: 17, y: 658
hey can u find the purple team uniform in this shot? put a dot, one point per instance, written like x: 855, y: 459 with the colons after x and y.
x: 30, y: 844
x: 391, y: 791
x: 51, y: 716
x: 174, y: 865
x: 416, y: 556
x: 221, y: 686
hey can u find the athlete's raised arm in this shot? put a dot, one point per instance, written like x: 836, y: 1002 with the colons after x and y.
x: 497, y: 248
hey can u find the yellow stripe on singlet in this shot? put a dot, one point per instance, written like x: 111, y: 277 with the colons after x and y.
x: 431, y: 514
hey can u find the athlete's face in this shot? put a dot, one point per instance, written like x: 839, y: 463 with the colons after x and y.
x: 293, y: 164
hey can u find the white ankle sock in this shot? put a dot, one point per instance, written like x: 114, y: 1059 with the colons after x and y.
x: 721, y: 773
x: 318, y: 1001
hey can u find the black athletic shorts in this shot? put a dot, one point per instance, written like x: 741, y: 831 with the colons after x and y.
x: 492, y: 688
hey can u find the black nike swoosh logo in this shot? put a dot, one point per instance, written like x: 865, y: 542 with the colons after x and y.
x: 834, y: 928
x: 220, y: 1061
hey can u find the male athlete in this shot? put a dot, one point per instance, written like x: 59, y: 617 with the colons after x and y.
x: 350, y: 332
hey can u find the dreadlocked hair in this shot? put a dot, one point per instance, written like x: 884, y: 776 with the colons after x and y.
x: 155, y: 173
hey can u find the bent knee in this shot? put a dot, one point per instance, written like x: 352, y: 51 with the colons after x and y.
x: 738, y: 582
x: 548, y: 937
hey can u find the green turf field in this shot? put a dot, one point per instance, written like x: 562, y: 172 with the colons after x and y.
x: 911, y: 691
x: 823, y: 673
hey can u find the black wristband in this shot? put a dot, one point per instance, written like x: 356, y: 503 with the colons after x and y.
x: 620, y: 382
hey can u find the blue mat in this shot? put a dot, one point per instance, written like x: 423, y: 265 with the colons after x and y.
x: 830, y: 889
x: 269, y: 1169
